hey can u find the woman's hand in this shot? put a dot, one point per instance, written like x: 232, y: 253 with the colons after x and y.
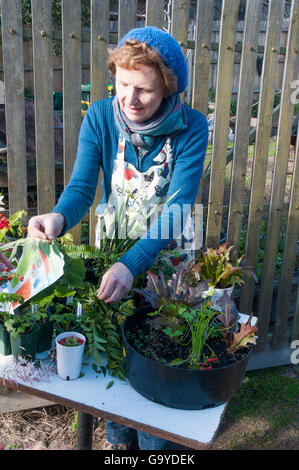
x: 46, y: 226
x: 116, y: 283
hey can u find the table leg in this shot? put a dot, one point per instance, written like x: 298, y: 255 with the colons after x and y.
x: 84, y: 432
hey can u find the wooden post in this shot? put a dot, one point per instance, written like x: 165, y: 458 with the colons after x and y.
x: 202, y: 55
x: 154, y: 13
x: 99, y: 80
x: 179, y: 25
x: 244, y: 107
x: 230, y: 10
x: 71, y: 32
x: 13, y: 66
x: 201, y: 65
x: 127, y: 10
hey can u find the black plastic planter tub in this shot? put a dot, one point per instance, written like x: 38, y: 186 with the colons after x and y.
x: 177, y: 387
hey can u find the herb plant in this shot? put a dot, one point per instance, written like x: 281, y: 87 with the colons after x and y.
x: 71, y: 341
x: 202, y: 327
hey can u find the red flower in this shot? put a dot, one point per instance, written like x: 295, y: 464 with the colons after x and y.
x: 4, y: 223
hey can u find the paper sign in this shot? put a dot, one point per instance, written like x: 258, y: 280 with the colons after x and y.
x: 40, y: 266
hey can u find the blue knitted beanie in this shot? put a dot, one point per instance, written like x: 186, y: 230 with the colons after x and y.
x: 168, y: 48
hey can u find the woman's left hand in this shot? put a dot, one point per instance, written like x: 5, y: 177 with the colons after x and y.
x: 116, y: 283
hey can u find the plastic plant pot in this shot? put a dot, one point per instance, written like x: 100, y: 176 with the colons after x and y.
x: 218, y: 293
x: 45, y: 336
x: 69, y: 358
x: 177, y: 387
x: 5, y: 348
x: 25, y: 345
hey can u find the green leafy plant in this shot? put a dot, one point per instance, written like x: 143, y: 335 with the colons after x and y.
x: 6, y: 300
x: 65, y: 317
x: 188, y: 319
x: 202, y: 327
x: 261, y: 249
x: 101, y: 329
x: 11, y: 225
x: 173, y: 301
x: 71, y: 341
x: 168, y: 294
x: 56, y: 12
x: 219, y: 267
x: 21, y: 324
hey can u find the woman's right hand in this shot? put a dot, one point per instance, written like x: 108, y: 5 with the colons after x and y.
x: 46, y: 226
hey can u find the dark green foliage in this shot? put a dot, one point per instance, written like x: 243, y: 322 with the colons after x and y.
x: 56, y: 12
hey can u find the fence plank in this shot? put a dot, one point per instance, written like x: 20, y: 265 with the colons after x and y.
x: 13, y: 66
x: 99, y: 80
x: 201, y: 64
x: 264, y: 125
x: 179, y: 25
x: 230, y: 10
x: 202, y: 53
x: 154, y: 13
x: 98, y: 49
x: 43, y: 100
x: 71, y: 32
x: 247, y: 74
x: 288, y: 263
x: 277, y: 198
x: 113, y: 39
x: 127, y: 10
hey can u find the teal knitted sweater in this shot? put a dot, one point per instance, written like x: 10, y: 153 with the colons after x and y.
x: 97, y: 148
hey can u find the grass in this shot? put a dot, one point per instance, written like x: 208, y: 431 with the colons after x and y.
x: 271, y: 154
x: 264, y: 413
x: 261, y: 392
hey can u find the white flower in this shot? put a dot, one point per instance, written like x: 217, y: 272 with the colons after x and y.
x: 1, y: 202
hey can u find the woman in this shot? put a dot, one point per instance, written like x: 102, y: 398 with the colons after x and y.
x: 148, y: 144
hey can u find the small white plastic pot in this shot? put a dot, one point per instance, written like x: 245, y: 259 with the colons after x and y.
x: 69, y: 358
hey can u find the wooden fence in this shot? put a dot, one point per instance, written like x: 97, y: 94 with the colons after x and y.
x: 85, y: 51
x: 276, y: 326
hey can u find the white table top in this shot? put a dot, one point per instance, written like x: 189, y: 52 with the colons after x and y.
x: 121, y: 403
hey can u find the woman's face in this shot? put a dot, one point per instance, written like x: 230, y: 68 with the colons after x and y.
x: 139, y: 92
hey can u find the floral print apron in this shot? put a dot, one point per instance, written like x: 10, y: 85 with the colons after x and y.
x: 138, y: 192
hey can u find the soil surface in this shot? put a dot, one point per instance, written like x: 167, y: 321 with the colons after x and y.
x: 148, y: 338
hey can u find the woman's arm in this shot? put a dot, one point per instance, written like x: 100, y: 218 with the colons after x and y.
x: 79, y: 193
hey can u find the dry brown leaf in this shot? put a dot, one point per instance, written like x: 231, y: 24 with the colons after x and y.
x: 245, y: 336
